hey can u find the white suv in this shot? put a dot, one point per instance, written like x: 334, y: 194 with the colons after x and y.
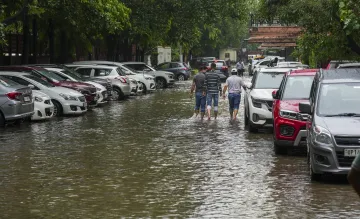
x: 258, y: 99
x: 163, y: 78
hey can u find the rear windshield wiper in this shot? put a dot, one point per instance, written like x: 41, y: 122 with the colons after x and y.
x: 345, y: 114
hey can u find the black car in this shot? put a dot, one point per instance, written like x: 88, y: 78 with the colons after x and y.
x: 181, y: 70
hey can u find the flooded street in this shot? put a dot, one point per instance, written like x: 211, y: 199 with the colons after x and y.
x: 145, y: 157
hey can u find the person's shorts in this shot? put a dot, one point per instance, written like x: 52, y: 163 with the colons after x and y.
x: 200, y: 101
x: 210, y: 97
x: 234, y: 101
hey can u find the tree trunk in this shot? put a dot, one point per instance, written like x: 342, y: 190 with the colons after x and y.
x: 34, y: 31
x: 25, y: 52
x: 9, y: 49
x: 51, y: 41
x: 63, y: 47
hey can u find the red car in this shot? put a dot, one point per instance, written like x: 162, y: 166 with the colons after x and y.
x: 88, y: 90
x: 289, y: 123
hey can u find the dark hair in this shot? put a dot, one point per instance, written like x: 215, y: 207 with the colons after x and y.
x: 213, y: 65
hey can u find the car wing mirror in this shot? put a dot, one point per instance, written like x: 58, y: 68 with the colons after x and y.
x: 275, y: 94
x: 305, y: 108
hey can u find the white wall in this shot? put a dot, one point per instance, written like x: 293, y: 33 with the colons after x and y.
x: 232, y: 52
x: 164, y: 54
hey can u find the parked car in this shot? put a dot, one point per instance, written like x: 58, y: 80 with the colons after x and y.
x: 258, y: 99
x: 16, y: 101
x: 89, y: 91
x: 333, y: 126
x: 350, y: 65
x: 288, y: 64
x: 335, y: 63
x: 74, y: 76
x: 102, y: 92
x: 147, y: 81
x: 163, y: 79
x: 261, y: 64
x: 221, y: 67
x: 289, y: 123
x: 43, y: 107
x: 181, y: 71
x: 66, y: 101
x: 121, y: 83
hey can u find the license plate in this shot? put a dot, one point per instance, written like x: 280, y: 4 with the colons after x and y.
x: 351, y: 152
x: 26, y: 99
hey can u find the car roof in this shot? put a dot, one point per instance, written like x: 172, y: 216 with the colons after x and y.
x: 270, y: 70
x: 93, y: 66
x: 22, y: 67
x: 11, y: 73
x: 303, y: 72
x: 133, y: 63
x: 349, y: 64
x: 340, y: 75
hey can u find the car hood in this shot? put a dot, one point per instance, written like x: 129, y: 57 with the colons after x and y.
x: 163, y: 72
x: 291, y: 105
x: 140, y: 76
x: 345, y: 126
x: 37, y: 93
x: 74, y: 84
x: 65, y: 90
x: 97, y: 85
x: 263, y: 94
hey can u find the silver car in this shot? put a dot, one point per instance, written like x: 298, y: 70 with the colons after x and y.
x: 16, y: 101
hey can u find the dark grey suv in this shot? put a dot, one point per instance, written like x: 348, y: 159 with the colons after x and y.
x: 333, y: 127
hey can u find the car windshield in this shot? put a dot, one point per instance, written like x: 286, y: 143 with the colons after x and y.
x: 39, y: 80
x: 72, y: 74
x: 120, y: 71
x: 128, y: 68
x: 268, y: 80
x: 51, y: 75
x: 294, y: 84
x: 7, y: 82
x: 339, y: 99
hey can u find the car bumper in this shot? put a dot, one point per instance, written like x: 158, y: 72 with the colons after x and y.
x: 298, y: 129
x: 171, y: 82
x: 74, y: 108
x: 299, y: 142
x: 102, y: 97
x: 261, y: 117
x: 326, y: 160
x: 43, y: 111
x: 19, y: 111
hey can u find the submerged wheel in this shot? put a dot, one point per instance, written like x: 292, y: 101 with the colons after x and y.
x: 313, y: 176
x: 144, y: 88
x: 181, y: 77
x: 58, y: 111
x: 118, y: 94
x: 160, y: 83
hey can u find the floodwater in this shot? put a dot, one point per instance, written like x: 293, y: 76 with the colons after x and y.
x: 145, y: 158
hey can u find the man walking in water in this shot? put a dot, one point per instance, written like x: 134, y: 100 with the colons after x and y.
x: 213, y: 88
x: 234, y: 84
x: 200, y: 97
x: 240, y: 68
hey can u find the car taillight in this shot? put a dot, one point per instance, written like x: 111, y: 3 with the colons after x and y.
x: 224, y: 67
x: 13, y: 95
x: 121, y: 79
x: 184, y: 69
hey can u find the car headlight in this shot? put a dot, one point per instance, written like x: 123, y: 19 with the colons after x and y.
x: 169, y: 74
x: 322, y: 135
x: 38, y: 99
x: 68, y: 97
x: 256, y: 102
x: 292, y: 115
x: 149, y: 78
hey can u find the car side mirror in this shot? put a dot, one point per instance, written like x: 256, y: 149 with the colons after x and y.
x: 31, y: 86
x: 305, y: 108
x: 275, y: 94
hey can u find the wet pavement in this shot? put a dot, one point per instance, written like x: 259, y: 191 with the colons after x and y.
x: 145, y: 157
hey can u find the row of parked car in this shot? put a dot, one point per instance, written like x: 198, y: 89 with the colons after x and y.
x: 317, y: 110
x: 42, y: 91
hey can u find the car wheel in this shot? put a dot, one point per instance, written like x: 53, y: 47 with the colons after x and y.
x: 117, y: 94
x: 246, y: 118
x: 58, y: 110
x: 252, y: 129
x: 2, y: 120
x: 277, y: 148
x: 181, y: 77
x: 313, y: 176
x: 160, y: 83
x: 144, y: 88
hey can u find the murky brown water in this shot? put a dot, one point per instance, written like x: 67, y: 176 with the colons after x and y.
x: 146, y: 158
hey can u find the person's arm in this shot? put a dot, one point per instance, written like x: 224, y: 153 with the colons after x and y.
x: 205, y: 85
x: 243, y: 85
x: 192, y: 88
x: 219, y: 83
x: 354, y: 175
x: 225, y: 87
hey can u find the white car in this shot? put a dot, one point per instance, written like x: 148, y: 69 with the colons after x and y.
x: 146, y: 80
x: 101, y: 91
x: 43, y: 107
x: 121, y: 83
x: 66, y: 101
x: 162, y: 78
x: 258, y: 99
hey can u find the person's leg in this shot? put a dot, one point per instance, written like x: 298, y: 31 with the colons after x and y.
x: 237, y: 98
x: 197, y: 104
x: 231, y: 105
x: 209, y: 103
x: 238, y: 72
x: 202, y: 106
x: 216, y: 103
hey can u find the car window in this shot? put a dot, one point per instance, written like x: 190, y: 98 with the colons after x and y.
x: 265, y: 63
x: 295, y: 84
x: 102, y: 72
x: 339, y: 98
x: 176, y: 65
x: 19, y: 80
x: 72, y: 74
x: 39, y: 80
x: 51, y: 75
x: 268, y: 80
x: 165, y: 66
x: 7, y: 82
x: 137, y: 67
x: 84, y: 71
x: 120, y: 72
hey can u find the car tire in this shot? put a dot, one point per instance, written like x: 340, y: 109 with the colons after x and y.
x: 252, y: 129
x: 277, y: 148
x: 313, y: 176
x: 246, y: 118
x: 118, y: 94
x: 181, y: 77
x: 2, y: 120
x: 160, y: 83
x: 144, y: 88
x: 58, y: 110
